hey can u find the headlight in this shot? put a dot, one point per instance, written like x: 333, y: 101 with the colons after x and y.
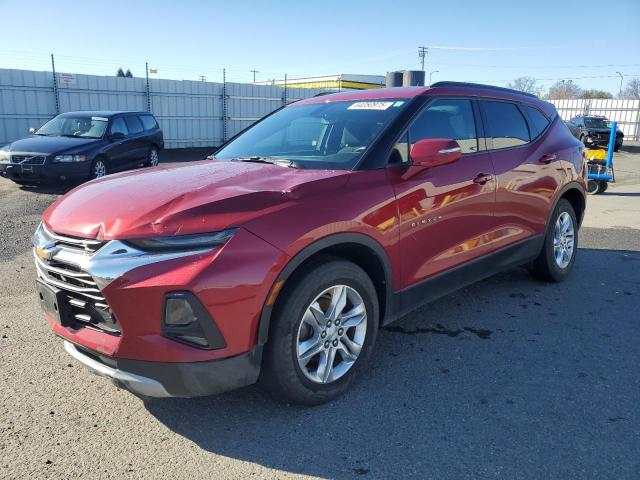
x: 69, y: 158
x: 184, y: 242
x: 4, y: 156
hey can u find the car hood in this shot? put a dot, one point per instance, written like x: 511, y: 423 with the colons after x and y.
x: 48, y: 145
x: 603, y: 130
x: 179, y: 199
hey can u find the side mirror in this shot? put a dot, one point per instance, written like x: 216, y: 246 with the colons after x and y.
x: 32, y: 131
x: 116, y: 136
x: 431, y: 152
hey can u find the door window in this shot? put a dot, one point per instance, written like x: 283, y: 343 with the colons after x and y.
x: 505, y: 124
x: 148, y: 122
x: 447, y: 118
x: 133, y: 124
x: 537, y: 121
x: 118, y: 126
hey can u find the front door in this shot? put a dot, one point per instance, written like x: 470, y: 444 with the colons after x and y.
x: 446, y: 212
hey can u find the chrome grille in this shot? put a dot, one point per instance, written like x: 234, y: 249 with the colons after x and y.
x: 87, y: 304
x: 74, y: 243
x: 68, y: 278
x: 29, y: 159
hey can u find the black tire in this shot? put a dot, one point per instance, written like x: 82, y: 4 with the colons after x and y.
x: 594, y: 187
x: 603, y: 186
x: 95, y: 168
x: 545, y: 267
x: 153, y: 157
x: 281, y: 373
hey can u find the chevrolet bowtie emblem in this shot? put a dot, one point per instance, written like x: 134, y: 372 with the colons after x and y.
x: 44, y: 253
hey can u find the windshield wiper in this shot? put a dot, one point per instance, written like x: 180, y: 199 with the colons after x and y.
x: 283, y: 162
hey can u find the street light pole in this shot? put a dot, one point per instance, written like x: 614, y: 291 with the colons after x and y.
x: 621, y: 79
x: 430, y: 74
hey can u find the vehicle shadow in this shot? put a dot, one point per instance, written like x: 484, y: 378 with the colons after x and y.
x: 56, y: 189
x: 610, y: 193
x: 626, y: 148
x: 485, y: 382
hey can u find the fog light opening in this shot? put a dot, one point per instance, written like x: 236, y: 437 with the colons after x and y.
x: 187, y: 321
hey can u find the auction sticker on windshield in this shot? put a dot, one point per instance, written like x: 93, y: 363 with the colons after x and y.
x: 370, y: 106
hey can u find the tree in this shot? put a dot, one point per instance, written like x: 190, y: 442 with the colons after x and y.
x: 120, y: 72
x: 562, y: 90
x: 526, y: 84
x: 594, y: 93
x: 128, y: 74
x: 632, y: 89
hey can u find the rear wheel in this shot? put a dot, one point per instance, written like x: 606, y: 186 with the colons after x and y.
x: 322, y: 334
x: 153, y: 158
x: 560, y: 245
x: 98, y: 168
x: 594, y: 187
x: 603, y: 186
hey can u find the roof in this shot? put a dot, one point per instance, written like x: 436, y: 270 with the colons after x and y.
x: 101, y: 113
x: 440, y: 88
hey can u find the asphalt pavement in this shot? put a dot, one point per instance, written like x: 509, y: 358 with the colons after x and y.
x: 509, y: 378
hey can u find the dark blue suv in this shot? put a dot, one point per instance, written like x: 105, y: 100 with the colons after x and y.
x: 83, y: 145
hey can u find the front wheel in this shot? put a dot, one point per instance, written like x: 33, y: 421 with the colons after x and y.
x: 555, y: 261
x: 98, y: 169
x: 323, y: 332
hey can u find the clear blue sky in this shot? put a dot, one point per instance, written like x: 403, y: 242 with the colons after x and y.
x: 494, y: 41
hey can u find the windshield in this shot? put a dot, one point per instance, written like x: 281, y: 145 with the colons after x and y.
x: 76, y: 126
x: 596, y: 123
x: 328, y: 135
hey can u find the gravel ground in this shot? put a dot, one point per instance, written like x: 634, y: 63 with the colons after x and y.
x: 508, y: 378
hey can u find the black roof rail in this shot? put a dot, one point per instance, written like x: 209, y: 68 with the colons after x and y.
x: 323, y: 93
x: 480, y: 85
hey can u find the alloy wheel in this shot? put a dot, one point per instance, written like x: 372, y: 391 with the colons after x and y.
x: 99, y: 169
x: 154, y: 158
x: 563, y: 240
x: 331, y: 334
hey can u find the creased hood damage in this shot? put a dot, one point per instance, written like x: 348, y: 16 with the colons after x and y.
x: 181, y: 199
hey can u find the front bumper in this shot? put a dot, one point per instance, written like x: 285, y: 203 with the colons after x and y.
x: 602, y: 141
x: 173, y: 379
x: 47, y: 173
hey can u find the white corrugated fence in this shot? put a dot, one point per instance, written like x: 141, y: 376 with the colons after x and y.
x: 191, y: 113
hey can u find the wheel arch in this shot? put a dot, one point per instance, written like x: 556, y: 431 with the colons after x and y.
x: 575, y: 194
x: 358, y: 248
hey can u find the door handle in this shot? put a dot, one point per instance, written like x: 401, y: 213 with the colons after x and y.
x: 482, y: 178
x: 548, y: 158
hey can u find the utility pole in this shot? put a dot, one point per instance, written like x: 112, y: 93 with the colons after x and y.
x: 422, y: 53
x: 621, y: 79
x: 254, y: 74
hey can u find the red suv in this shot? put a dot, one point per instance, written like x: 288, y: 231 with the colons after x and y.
x: 277, y: 260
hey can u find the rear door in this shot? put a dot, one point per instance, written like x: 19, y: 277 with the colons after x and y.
x: 136, y: 141
x: 446, y: 212
x: 528, y: 171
